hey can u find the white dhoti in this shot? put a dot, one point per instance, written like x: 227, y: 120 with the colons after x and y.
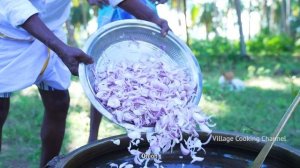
x: 25, y: 61
x: 23, y: 64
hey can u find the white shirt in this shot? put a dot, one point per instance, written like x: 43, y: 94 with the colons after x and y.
x: 234, y: 84
x: 15, y: 12
x: 22, y: 56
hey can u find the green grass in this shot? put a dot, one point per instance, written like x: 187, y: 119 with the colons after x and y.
x: 256, y: 110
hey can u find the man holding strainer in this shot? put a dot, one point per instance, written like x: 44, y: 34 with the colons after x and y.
x: 33, y: 51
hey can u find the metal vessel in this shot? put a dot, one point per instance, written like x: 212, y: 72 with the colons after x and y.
x: 132, y: 40
x: 219, y: 154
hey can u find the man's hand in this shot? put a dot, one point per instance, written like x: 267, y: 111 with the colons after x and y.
x: 163, y: 24
x: 72, y: 57
x: 69, y: 55
x: 98, y: 2
x: 141, y: 11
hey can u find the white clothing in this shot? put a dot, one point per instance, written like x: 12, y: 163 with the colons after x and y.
x: 22, y: 62
x: 234, y: 85
x: 53, y: 13
x: 115, y: 2
x: 22, y: 57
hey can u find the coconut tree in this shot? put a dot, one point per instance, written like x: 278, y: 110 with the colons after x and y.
x: 79, y: 18
x: 181, y: 6
x: 288, y: 11
x: 283, y: 6
x: 266, y: 15
x: 249, y: 22
x: 207, y: 17
x: 280, y: 16
x: 237, y: 4
x: 185, y: 11
x: 295, y: 19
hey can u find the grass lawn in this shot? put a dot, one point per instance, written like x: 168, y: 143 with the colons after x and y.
x: 256, y: 110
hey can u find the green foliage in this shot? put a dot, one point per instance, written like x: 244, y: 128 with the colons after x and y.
x: 80, y: 15
x: 176, y: 4
x: 297, y: 47
x: 195, y: 14
x: 207, y: 16
x: 217, y: 48
x: 265, y: 44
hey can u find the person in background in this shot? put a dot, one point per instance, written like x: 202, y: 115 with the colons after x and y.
x: 33, y: 51
x: 228, y: 81
x: 108, y: 14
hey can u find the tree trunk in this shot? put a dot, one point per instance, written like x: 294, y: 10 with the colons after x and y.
x: 249, y: 21
x: 186, y: 26
x: 242, y: 40
x: 84, y: 14
x: 268, y: 17
x: 70, y: 34
x: 263, y: 14
x: 287, y: 17
x: 283, y: 28
x: 274, y: 24
x: 207, y: 31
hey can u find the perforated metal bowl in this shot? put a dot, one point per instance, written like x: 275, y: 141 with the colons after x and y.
x: 131, y: 40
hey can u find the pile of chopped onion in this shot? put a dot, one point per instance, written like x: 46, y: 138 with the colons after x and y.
x: 151, y: 93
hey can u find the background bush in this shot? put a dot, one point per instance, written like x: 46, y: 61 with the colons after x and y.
x: 265, y: 44
x: 217, y: 48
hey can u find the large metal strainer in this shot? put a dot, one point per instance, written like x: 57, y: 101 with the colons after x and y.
x: 131, y: 40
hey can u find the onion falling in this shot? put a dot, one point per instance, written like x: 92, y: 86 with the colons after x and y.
x: 152, y: 93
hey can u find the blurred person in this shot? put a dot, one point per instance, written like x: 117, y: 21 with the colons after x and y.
x: 108, y: 14
x: 33, y: 51
x: 228, y: 80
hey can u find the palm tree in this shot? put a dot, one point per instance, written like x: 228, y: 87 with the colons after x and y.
x: 207, y: 17
x: 181, y: 6
x: 242, y: 40
x: 288, y: 15
x: 186, y: 26
x: 283, y: 27
x: 249, y: 22
x: 266, y: 15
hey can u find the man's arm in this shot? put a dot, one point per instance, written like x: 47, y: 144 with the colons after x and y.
x: 70, y: 56
x: 23, y: 13
x: 141, y: 11
x: 137, y: 9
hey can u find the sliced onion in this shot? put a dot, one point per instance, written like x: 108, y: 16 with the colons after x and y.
x: 112, y: 165
x: 116, y: 141
x: 184, y: 151
x: 149, y: 92
x: 196, y: 159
